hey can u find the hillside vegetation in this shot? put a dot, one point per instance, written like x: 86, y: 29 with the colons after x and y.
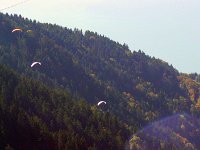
x: 90, y: 67
x: 33, y: 116
x: 177, y: 132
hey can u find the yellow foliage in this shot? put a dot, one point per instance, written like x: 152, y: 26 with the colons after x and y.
x: 190, y: 85
x: 198, y: 103
x: 134, y: 142
x: 152, y: 94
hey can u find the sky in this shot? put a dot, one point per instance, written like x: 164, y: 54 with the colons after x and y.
x: 166, y: 29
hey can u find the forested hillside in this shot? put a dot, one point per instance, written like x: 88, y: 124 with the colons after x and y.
x: 33, y: 116
x: 138, y: 88
x: 177, y: 132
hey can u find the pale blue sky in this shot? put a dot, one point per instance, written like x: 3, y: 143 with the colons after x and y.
x: 166, y: 29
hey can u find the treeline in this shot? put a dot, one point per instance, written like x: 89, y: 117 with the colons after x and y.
x: 33, y: 116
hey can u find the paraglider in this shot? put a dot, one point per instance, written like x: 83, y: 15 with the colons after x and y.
x: 99, y: 103
x: 34, y: 63
x: 16, y: 29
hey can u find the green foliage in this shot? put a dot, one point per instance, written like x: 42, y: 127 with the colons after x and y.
x: 33, y: 116
x: 91, y: 67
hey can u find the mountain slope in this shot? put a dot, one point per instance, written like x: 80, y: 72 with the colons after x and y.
x: 33, y: 116
x: 138, y: 89
x: 177, y: 132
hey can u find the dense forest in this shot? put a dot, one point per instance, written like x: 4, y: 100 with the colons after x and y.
x: 90, y: 67
x: 34, y: 116
x: 177, y: 132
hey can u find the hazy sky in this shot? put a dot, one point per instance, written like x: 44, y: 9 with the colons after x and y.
x: 166, y: 29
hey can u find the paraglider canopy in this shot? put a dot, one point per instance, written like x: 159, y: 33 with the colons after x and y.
x: 16, y: 29
x: 100, y: 102
x: 34, y: 63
